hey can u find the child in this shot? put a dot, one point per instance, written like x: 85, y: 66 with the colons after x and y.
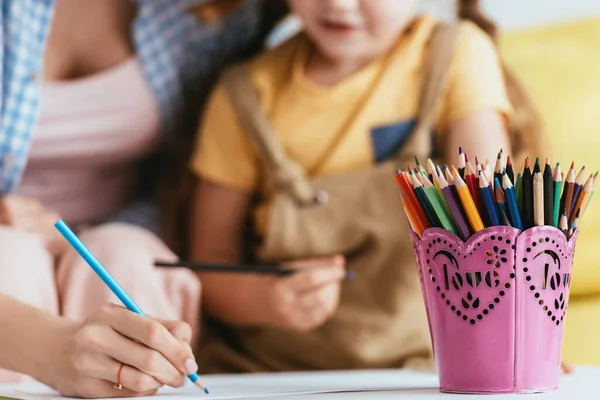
x: 342, y: 98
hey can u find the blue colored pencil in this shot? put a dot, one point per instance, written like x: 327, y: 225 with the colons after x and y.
x: 113, y: 285
x: 488, y: 200
x: 511, y: 202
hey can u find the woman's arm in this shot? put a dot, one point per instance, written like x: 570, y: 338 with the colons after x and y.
x: 481, y: 134
x: 82, y: 359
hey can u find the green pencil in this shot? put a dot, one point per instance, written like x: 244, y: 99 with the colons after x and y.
x: 591, y: 194
x: 425, y: 203
x: 438, y: 206
x: 557, y: 179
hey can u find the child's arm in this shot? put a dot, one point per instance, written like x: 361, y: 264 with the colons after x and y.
x: 301, y: 301
x: 480, y: 134
x: 476, y: 107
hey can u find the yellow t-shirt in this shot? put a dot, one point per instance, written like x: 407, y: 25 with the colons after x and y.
x: 373, y: 110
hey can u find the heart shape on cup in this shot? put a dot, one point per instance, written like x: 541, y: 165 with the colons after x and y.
x: 472, y: 277
x: 545, y: 259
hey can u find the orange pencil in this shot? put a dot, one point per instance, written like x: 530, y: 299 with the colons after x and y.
x: 407, y: 190
x: 467, y: 202
x: 412, y: 220
x: 583, y: 197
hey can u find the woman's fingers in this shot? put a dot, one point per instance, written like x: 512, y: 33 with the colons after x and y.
x: 106, y: 369
x: 155, y: 336
x: 147, y: 360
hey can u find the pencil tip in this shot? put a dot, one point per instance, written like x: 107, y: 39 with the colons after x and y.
x: 537, y: 161
x: 508, y: 160
x: 476, y: 161
x: 548, y: 160
x: 460, y: 150
x: 206, y: 390
x: 466, y: 157
x: 572, y: 164
x: 417, y: 160
x: 526, y: 162
x: 500, y: 154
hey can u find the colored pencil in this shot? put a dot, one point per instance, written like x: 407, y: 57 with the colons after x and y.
x: 439, y: 207
x: 456, y: 209
x: 519, y: 187
x: 563, y: 224
x: 583, y: 197
x: 420, y: 168
x: 488, y: 200
x: 592, y: 194
x: 436, y: 180
x: 241, y: 268
x: 509, y: 170
x: 575, y: 224
x: 430, y: 170
x: 576, y: 191
x: 548, y: 194
x: 462, y: 161
x: 511, y: 202
x: 420, y: 193
x: 467, y: 202
x: 499, y: 168
x: 501, y: 200
x: 568, y: 191
x: 405, y: 187
x: 527, y: 204
x: 472, y: 182
x: 108, y: 279
x: 538, y: 195
x: 557, y: 183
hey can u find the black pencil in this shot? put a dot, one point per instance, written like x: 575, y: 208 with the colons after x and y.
x: 548, y: 195
x: 527, y: 183
x: 237, y: 268
x: 498, y: 169
x: 510, y: 171
x: 462, y: 163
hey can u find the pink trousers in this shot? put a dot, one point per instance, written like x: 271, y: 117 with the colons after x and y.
x: 69, y: 287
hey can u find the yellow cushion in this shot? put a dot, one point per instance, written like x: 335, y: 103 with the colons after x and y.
x: 582, y: 331
x: 560, y: 65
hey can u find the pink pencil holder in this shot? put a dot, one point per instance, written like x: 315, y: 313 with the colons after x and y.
x: 496, y: 306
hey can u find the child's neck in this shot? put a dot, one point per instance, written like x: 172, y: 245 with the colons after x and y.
x: 327, y: 71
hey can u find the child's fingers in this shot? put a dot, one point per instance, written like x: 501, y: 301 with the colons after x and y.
x: 337, y: 260
x: 310, y: 279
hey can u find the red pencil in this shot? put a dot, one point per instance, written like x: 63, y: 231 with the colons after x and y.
x: 472, y: 182
x: 407, y: 190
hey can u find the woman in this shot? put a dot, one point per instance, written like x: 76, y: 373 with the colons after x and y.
x: 90, y: 91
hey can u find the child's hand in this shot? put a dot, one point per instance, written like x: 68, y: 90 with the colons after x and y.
x: 308, y: 298
x: 566, y: 368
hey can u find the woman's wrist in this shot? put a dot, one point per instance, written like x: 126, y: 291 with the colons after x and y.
x: 29, y: 338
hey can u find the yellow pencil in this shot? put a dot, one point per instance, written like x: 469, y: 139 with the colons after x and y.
x: 467, y: 202
x: 538, y: 197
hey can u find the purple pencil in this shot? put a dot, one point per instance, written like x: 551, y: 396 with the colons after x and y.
x: 455, y: 209
x: 576, y: 192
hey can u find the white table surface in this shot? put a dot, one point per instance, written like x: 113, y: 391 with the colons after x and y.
x: 374, y: 384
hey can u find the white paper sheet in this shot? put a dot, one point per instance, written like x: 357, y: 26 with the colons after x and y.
x: 253, y: 386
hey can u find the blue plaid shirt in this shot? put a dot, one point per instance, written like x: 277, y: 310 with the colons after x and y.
x: 175, y: 49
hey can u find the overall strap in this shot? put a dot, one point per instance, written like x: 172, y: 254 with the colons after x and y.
x: 287, y: 174
x: 439, y: 57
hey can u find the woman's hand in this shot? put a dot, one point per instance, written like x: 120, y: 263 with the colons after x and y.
x: 305, y: 299
x: 31, y: 216
x: 85, y: 358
